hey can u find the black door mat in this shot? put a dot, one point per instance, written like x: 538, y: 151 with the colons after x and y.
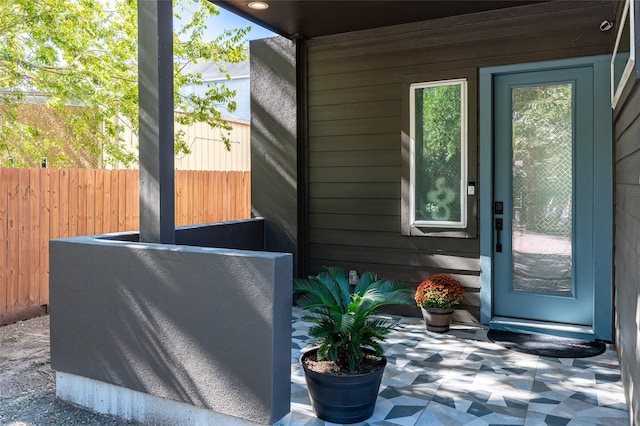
x: 544, y: 345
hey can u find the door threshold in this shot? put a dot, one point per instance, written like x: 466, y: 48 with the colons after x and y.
x: 531, y: 326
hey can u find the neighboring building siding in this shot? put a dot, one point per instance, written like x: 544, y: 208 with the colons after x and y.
x: 208, y: 151
x: 242, y: 98
x: 627, y: 243
x: 358, y: 109
x: 239, y: 82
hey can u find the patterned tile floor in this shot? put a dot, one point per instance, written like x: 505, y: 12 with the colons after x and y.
x: 459, y: 378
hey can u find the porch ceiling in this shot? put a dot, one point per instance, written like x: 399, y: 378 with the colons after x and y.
x: 311, y: 18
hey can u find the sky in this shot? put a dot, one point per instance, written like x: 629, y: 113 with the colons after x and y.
x: 228, y: 20
x: 225, y: 20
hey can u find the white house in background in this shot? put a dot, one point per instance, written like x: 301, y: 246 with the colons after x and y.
x: 208, y: 151
x: 239, y: 82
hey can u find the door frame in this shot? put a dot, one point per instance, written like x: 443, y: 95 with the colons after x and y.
x: 602, y: 328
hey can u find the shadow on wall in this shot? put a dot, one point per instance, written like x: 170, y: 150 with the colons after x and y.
x: 274, y: 153
x: 177, y: 322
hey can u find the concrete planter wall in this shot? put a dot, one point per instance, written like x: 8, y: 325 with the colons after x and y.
x: 206, y: 328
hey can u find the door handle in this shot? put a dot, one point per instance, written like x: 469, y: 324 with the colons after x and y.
x: 498, y: 209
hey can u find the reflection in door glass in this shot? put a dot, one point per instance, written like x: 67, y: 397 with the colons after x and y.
x: 542, y: 188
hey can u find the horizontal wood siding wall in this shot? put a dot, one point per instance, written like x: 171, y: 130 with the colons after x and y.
x: 42, y: 204
x: 627, y: 242
x: 356, y: 101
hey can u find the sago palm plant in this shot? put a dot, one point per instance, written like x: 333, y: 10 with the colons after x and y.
x: 343, y: 322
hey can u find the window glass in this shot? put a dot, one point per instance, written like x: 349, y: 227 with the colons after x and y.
x: 439, y: 138
x: 623, y: 58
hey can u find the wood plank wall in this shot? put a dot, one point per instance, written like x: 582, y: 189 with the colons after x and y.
x: 627, y: 246
x: 357, y: 110
x: 626, y: 136
x: 42, y: 204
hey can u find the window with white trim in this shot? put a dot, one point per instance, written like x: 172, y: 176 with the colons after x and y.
x: 438, y: 156
x: 623, y: 58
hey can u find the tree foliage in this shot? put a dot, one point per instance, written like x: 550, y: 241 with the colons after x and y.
x: 542, y: 156
x: 439, y: 129
x: 83, y: 53
x: 441, y: 124
x: 542, y: 117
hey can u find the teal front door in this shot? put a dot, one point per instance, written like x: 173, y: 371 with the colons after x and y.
x: 546, y: 197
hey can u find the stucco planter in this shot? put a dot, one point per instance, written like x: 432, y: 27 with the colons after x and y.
x: 127, y: 322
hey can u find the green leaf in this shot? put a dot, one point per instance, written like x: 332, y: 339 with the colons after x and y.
x: 83, y: 59
x: 343, y: 324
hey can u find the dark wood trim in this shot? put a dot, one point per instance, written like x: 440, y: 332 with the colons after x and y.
x: 302, y: 157
x: 540, y: 12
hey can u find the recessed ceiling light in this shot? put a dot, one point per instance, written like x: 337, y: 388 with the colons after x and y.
x: 258, y: 5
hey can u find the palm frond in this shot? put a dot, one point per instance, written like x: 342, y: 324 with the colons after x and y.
x: 342, y: 320
x: 364, y: 282
x: 342, y: 288
x: 314, y: 293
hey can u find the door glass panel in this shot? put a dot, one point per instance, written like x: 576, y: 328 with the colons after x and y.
x: 542, y: 188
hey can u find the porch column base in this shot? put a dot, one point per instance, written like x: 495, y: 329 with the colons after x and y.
x: 127, y: 404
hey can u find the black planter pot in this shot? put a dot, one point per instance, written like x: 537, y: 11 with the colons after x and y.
x: 343, y: 398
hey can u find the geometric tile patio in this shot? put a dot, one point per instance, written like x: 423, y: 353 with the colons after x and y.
x: 460, y: 378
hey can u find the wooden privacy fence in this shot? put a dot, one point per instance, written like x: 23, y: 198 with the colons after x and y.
x: 42, y: 204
